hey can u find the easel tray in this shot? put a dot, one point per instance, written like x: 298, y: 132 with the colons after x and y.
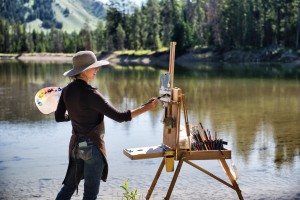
x: 158, y: 152
x: 144, y: 152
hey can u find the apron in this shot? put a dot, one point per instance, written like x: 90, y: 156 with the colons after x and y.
x: 96, y: 135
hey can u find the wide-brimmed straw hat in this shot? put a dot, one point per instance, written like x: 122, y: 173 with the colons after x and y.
x: 84, y: 60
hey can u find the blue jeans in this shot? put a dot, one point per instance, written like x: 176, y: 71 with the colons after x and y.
x: 89, y: 164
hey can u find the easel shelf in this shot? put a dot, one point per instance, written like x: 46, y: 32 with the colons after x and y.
x: 157, y: 152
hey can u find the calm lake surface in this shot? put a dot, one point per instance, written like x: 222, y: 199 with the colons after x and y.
x: 255, y: 108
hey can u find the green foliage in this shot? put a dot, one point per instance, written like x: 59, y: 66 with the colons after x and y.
x: 128, y: 195
x: 99, y: 37
x: 217, y: 24
x: 13, y: 11
x: 120, y: 37
x: 153, y: 24
x: 113, y: 18
x: 42, y: 9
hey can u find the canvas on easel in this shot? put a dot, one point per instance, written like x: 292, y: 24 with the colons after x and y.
x: 165, y: 87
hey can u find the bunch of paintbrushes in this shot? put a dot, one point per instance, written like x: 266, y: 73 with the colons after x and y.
x: 203, y: 140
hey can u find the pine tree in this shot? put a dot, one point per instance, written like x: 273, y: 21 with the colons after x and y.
x: 153, y: 25
x: 2, y: 35
x: 121, y: 37
x: 23, y: 39
x: 113, y: 18
x: 166, y: 21
x: 85, y: 33
x: 100, y: 37
x: 136, y: 23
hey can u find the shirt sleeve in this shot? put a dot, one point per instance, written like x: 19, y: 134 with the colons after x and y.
x: 98, y: 103
x: 60, y: 113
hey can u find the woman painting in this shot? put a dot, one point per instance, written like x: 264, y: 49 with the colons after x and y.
x: 85, y: 107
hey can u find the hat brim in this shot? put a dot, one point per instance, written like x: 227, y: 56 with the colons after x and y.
x: 78, y: 70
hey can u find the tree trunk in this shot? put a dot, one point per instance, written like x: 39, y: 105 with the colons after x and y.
x: 298, y: 27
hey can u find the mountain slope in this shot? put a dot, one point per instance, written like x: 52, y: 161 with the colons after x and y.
x: 79, y: 15
x: 68, y: 15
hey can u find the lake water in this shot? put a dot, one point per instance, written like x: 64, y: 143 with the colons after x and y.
x: 255, y: 108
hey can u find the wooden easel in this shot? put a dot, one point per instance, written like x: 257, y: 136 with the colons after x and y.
x: 171, y: 134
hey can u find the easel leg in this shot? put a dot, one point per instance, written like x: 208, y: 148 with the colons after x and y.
x: 228, y: 173
x: 209, y: 174
x: 162, y: 164
x: 174, y: 179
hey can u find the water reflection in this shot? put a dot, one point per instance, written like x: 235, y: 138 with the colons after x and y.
x: 19, y: 83
x: 258, y: 109
x: 250, y: 70
x: 130, y: 85
x: 245, y: 109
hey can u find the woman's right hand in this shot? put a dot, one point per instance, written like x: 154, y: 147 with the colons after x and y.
x: 152, y: 103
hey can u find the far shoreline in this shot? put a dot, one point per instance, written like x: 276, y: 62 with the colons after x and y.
x: 266, y: 55
x: 37, y: 56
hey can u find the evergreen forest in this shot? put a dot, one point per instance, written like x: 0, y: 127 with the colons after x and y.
x: 216, y: 24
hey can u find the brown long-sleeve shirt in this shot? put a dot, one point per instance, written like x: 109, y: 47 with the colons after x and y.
x: 86, y: 109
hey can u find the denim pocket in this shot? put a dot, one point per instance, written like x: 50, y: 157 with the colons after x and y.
x: 85, y: 153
